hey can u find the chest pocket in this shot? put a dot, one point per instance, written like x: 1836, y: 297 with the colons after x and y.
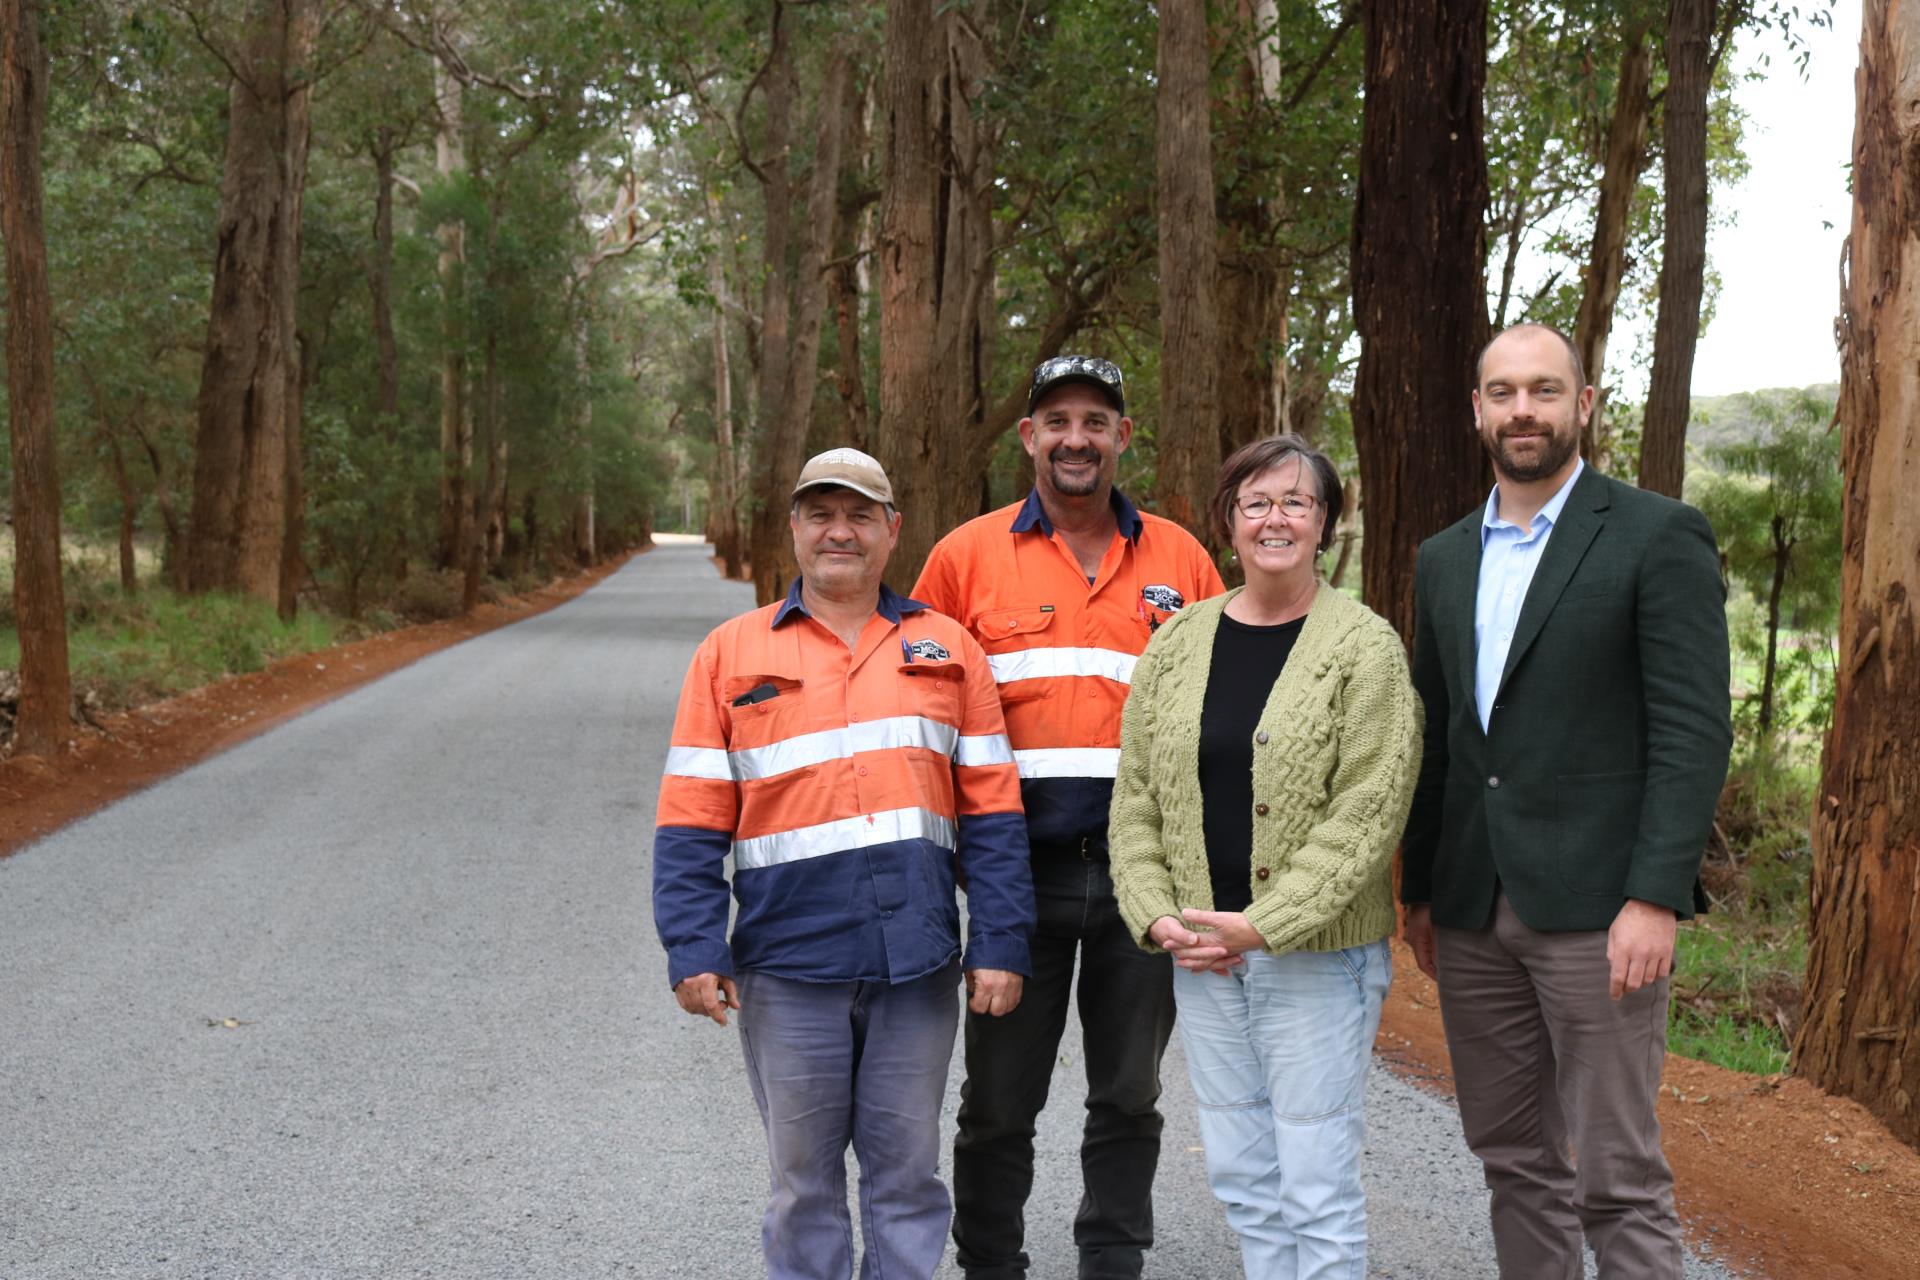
x: 770, y: 716
x: 932, y: 690
x: 1011, y: 638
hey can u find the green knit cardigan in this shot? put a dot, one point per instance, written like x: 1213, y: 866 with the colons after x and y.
x: 1335, y: 756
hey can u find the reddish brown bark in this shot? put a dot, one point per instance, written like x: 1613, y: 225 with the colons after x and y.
x: 44, y: 722
x: 456, y: 414
x: 769, y: 545
x: 248, y: 392
x: 1187, y: 437
x: 1861, y: 1033
x: 1683, y: 262
x: 1419, y: 291
x: 1607, y: 255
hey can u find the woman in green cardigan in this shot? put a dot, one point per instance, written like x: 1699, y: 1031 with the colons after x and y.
x: 1267, y: 758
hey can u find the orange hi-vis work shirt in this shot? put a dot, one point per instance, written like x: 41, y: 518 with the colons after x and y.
x: 1062, y: 649
x: 844, y: 784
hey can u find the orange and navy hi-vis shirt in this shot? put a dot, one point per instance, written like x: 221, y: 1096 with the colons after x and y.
x: 845, y: 784
x: 1062, y: 649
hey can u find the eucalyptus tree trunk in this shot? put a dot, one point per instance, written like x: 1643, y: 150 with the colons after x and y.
x: 769, y: 544
x: 1861, y: 1033
x: 456, y: 415
x: 1252, y: 276
x: 1188, y: 433
x: 848, y: 278
x: 1683, y: 262
x: 248, y: 401
x: 44, y: 721
x: 1607, y: 257
x: 386, y: 382
x: 783, y: 449
x: 723, y: 508
x: 1419, y: 289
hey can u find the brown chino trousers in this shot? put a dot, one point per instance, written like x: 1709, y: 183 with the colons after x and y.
x: 1557, y: 1084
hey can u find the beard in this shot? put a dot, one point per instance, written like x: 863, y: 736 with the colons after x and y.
x: 1552, y: 454
x: 1069, y: 486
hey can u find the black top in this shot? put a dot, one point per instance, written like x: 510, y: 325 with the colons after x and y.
x: 1246, y: 662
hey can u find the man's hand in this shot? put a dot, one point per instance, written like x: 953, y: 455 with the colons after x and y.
x: 1418, y: 929
x: 707, y: 995
x: 1192, y: 951
x: 993, y: 991
x: 1640, y: 946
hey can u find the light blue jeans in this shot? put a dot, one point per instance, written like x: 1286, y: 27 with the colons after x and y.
x: 1278, y: 1052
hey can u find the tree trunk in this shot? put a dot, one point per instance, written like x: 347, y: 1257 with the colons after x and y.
x: 1607, y: 258
x: 1187, y: 439
x: 44, y: 722
x: 239, y: 521
x: 936, y: 430
x: 848, y: 283
x: 1683, y: 262
x: 386, y: 385
x: 129, y: 509
x: 1252, y: 276
x: 173, y: 556
x: 456, y: 421
x: 783, y: 450
x: 1861, y: 1034
x: 724, y: 511
x: 1782, y: 557
x: 1419, y: 290
x: 769, y: 544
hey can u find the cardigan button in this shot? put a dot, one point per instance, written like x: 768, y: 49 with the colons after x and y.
x: 1261, y: 874
x: 1260, y: 809
x: 1261, y: 737
x: 1494, y: 782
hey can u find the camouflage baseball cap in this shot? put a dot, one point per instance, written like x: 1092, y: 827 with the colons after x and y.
x: 1103, y: 374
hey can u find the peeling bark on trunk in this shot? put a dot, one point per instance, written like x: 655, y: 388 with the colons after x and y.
x: 1419, y: 290
x: 44, y: 722
x: 1683, y: 262
x: 1861, y: 1034
x: 769, y: 543
x: 247, y: 398
x: 1187, y: 458
x: 1607, y: 257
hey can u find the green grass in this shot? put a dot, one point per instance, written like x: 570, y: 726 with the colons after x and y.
x: 1735, y: 975
x: 133, y: 649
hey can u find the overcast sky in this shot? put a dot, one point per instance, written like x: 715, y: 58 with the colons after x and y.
x: 1779, y: 261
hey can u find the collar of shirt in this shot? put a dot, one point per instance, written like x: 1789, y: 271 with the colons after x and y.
x: 891, y: 607
x: 1490, y: 517
x: 1033, y: 515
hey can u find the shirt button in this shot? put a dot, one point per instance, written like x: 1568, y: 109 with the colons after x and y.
x: 1494, y: 782
x: 1260, y: 809
x: 1261, y: 874
x: 1261, y: 737
x: 863, y: 771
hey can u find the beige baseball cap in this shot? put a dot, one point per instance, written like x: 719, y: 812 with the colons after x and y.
x: 848, y: 468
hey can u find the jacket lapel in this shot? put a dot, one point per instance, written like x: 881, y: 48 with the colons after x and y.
x: 1580, y: 522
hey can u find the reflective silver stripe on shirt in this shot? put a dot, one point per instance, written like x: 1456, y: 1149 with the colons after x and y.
x: 986, y: 748
x: 1033, y: 664
x: 803, y: 750
x: 843, y: 834
x: 699, y: 762
x: 1068, y: 762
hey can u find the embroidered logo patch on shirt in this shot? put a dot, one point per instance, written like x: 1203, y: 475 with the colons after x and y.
x: 1163, y: 598
x: 930, y: 650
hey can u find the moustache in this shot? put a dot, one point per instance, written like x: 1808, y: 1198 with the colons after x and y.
x: 1064, y: 455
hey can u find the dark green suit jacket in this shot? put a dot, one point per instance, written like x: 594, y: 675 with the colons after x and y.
x: 1598, y: 775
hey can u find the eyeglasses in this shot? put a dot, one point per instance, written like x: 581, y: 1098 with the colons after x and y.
x: 1294, y: 506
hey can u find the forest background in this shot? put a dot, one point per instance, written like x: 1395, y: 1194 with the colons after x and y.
x: 325, y: 316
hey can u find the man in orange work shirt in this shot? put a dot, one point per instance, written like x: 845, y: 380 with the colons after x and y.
x: 845, y: 747
x: 1063, y: 590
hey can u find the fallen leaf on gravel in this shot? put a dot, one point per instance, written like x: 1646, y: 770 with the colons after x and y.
x: 226, y: 1022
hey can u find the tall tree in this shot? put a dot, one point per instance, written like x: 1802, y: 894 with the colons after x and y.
x: 1683, y: 262
x: 456, y: 410
x: 44, y: 722
x: 1861, y: 1036
x: 249, y: 384
x: 1626, y: 157
x: 1188, y: 437
x: 1419, y: 289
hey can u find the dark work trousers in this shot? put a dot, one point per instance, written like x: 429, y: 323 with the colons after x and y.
x: 1126, y: 1016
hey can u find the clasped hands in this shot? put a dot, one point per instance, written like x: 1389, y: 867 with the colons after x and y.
x: 1206, y: 941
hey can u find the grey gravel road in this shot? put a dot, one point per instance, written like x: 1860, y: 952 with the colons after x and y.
x: 376, y: 995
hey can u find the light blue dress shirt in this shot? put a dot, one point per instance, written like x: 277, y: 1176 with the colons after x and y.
x: 1508, y: 557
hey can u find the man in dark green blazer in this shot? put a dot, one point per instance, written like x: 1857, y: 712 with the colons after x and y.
x: 1570, y: 645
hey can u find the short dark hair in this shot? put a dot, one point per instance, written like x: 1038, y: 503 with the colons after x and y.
x: 1262, y: 456
x: 1573, y: 352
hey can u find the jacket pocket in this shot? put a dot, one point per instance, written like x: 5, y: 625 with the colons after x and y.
x: 1597, y: 820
